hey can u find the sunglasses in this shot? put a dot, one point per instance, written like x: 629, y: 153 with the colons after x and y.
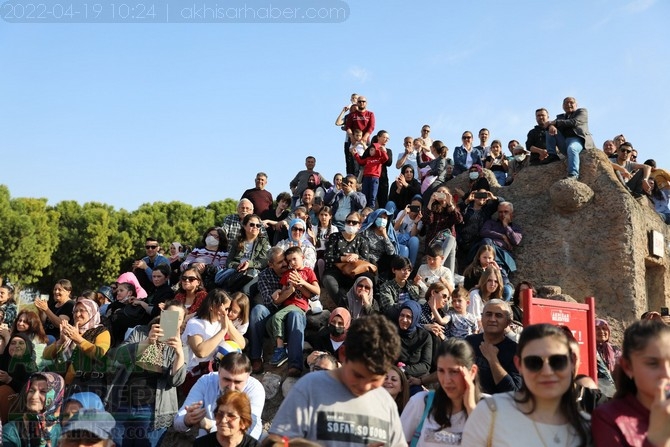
x: 364, y: 286
x: 254, y: 225
x: 189, y: 278
x: 535, y: 363
x: 625, y: 151
x: 299, y: 230
x: 467, y: 138
x: 220, y: 416
x: 151, y: 247
x: 351, y: 222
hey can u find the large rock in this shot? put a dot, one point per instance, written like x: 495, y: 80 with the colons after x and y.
x: 589, y: 237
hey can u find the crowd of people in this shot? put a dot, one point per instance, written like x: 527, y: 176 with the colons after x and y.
x: 419, y: 340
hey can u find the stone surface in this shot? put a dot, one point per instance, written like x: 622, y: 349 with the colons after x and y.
x: 598, y: 247
x: 547, y: 291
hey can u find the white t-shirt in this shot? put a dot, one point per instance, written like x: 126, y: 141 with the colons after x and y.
x: 429, y: 276
x: 430, y: 436
x: 206, y: 330
x: 512, y: 428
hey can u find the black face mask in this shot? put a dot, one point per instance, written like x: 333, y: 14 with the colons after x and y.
x: 335, y: 331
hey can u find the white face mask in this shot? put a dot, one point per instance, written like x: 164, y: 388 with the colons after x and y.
x: 520, y: 157
x: 351, y: 229
x: 381, y: 222
x: 474, y: 175
x: 211, y: 241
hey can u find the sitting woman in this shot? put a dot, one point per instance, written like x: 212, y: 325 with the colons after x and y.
x: 247, y: 256
x: 148, y: 396
x: 83, y: 345
x: 496, y: 162
x: 176, y: 258
x: 330, y: 339
x: 191, y: 291
x: 53, y: 311
x: 345, y: 247
x: 435, y: 175
x: 490, y: 286
x: 233, y: 420
x: 439, y: 219
x: 206, y: 333
x: 322, y: 232
x: 17, y: 363
x: 359, y: 300
x: 126, y: 312
x: 7, y: 304
x: 517, y: 299
x: 209, y: 256
x: 378, y: 230
x: 609, y: 353
x: 162, y: 293
x: 397, y: 386
x: 28, y: 323
x: 416, y: 351
x: 486, y: 257
x: 34, y: 414
x: 297, y: 237
x: 441, y: 414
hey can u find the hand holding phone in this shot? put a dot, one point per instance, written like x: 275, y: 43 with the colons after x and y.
x: 169, y: 324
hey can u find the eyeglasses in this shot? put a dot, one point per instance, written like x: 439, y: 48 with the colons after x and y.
x: 359, y: 101
x: 189, y: 278
x: 220, y: 415
x: 151, y: 247
x: 363, y: 286
x: 467, y: 138
x: 445, y: 295
x: 425, y: 130
x: 299, y: 230
x: 352, y: 222
x: 535, y: 363
x: 625, y: 151
x: 254, y: 225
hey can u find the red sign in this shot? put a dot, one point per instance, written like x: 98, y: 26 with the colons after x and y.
x: 580, y: 318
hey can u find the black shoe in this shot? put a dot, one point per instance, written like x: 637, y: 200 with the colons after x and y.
x: 550, y: 159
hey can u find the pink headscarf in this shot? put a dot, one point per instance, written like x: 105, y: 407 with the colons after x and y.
x: 131, y: 278
x: 93, y: 310
x: 346, y: 316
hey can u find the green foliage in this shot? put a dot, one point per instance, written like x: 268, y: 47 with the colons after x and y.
x: 91, y: 244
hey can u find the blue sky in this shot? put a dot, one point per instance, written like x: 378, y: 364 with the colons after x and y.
x: 131, y: 113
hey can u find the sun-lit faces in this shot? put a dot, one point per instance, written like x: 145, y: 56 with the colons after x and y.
x: 392, y: 383
x: 36, y: 396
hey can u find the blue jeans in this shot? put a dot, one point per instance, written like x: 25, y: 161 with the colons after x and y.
x: 571, y: 147
x: 294, y: 330
x: 370, y: 188
x: 501, y: 177
x: 133, y: 427
x: 449, y: 250
x: 408, y: 246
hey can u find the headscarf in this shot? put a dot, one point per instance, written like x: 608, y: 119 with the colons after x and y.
x: 356, y: 305
x: 415, y: 308
x: 293, y: 223
x: 390, y: 231
x: 87, y: 400
x: 346, y: 316
x: 39, y: 425
x: 605, y: 349
x: 93, y: 322
x: 179, y: 254
x: 131, y: 278
x: 24, y: 363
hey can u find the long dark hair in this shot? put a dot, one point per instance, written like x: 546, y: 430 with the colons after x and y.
x: 214, y: 298
x: 223, y: 240
x: 243, y: 232
x: 463, y: 353
x: 568, y: 404
x: 635, y: 339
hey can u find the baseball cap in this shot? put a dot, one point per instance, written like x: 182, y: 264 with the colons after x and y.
x: 96, y: 422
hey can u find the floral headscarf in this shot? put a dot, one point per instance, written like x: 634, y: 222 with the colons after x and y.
x: 40, y: 424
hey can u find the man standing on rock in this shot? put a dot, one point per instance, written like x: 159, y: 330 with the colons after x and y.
x: 362, y: 119
x: 570, y: 133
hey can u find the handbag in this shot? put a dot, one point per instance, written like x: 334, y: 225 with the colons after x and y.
x: 151, y: 358
x: 353, y: 269
x: 440, y: 237
x: 417, y: 432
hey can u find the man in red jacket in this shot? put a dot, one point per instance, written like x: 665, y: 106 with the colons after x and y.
x: 362, y: 119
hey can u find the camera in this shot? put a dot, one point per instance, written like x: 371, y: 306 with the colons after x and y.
x: 414, y: 208
x: 481, y: 195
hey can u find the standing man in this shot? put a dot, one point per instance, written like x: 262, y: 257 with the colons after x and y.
x: 144, y: 268
x: 348, y: 406
x: 362, y: 119
x: 260, y: 198
x: 570, y: 133
x: 350, y: 163
x: 198, y: 411
x: 494, y: 352
x: 536, y: 141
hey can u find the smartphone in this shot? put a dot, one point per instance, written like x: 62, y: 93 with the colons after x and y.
x: 414, y: 208
x: 169, y: 324
x: 481, y: 195
x: 664, y: 312
x: 440, y: 195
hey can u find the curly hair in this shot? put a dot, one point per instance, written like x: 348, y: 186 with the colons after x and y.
x: 374, y: 341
